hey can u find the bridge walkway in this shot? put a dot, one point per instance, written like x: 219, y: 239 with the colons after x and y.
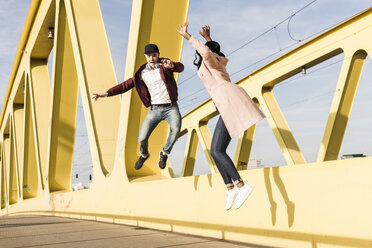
x: 56, y: 232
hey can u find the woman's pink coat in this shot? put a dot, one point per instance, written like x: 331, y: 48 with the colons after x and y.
x: 237, y: 109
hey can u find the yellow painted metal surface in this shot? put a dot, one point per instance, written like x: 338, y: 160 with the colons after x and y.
x: 322, y: 204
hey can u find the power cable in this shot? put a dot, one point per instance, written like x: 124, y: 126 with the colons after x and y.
x: 265, y: 32
x: 257, y: 37
x: 290, y: 80
x: 255, y: 63
x: 311, y: 72
x: 290, y: 18
x: 187, y: 79
x: 198, y: 91
x: 183, y: 107
x: 289, y: 33
x: 309, y: 99
x: 232, y: 74
x: 277, y: 39
x: 280, y: 49
x: 306, y: 38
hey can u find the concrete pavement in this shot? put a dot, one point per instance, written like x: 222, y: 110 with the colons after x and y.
x: 52, y: 232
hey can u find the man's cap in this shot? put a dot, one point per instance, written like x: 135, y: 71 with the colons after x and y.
x: 151, y: 48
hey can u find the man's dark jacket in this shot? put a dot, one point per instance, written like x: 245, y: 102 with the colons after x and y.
x: 142, y: 90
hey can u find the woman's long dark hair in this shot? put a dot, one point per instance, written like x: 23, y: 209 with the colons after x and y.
x: 213, y: 46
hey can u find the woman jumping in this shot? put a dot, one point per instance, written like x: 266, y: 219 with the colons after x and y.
x: 237, y: 110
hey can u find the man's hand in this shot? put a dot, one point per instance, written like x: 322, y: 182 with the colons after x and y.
x: 206, y: 32
x: 183, y: 31
x: 167, y: 63
x: 98, y: 95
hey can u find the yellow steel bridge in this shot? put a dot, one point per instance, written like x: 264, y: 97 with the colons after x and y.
x: 327, y: 203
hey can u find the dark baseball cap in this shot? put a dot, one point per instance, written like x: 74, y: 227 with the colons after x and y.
x: 151, y: 48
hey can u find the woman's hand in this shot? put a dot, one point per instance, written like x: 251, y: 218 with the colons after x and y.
x: 206, y: 33
x: 183, y: 31
x: 98, y: 95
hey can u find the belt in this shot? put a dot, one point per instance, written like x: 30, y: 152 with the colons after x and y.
x: 162, y: 105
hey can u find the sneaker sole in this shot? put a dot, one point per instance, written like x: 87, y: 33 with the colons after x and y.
x: 227, y: 209
x: 248, y: 194
x: 161, y: 168
x: 233, y: 202
x: 142, y: 164
x: 159, y: 164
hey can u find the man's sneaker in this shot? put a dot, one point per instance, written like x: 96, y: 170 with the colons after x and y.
x: 162, y: 160
x: 140, y: 162
x: 231, y: 196
x: 243, y: 193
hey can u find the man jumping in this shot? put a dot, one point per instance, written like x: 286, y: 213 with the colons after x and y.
x: 157, y: 89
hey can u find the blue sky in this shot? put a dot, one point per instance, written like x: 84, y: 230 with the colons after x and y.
x: 305, y: 101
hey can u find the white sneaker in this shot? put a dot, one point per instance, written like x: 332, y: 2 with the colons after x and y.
x: 231, y: 196
x: 243, y: 194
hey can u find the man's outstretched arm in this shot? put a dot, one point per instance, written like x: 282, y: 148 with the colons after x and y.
x: 116, y: 90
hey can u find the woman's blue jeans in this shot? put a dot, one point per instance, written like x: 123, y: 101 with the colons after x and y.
x: 156, y: 114
x: 225, y: 165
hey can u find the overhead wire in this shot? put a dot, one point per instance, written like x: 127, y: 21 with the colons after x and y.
x: 249, y: 42
x: 288, y: 81
x: 311, y: 72
x: 277, y: 39
x: 308, y: 99
x: 265, y: 32
x: 306, y: 38
x: 200, y: 90
x: 183, y: 107
x: 257, y: 37
x: 290, y: 18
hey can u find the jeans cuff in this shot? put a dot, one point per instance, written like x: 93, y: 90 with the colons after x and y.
x: 166, y: 152
x: 145, y: 156
x: 238, y: 181
x: 229, y: 185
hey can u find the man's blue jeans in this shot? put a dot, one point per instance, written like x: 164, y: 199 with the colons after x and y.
x: 156, y: 114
